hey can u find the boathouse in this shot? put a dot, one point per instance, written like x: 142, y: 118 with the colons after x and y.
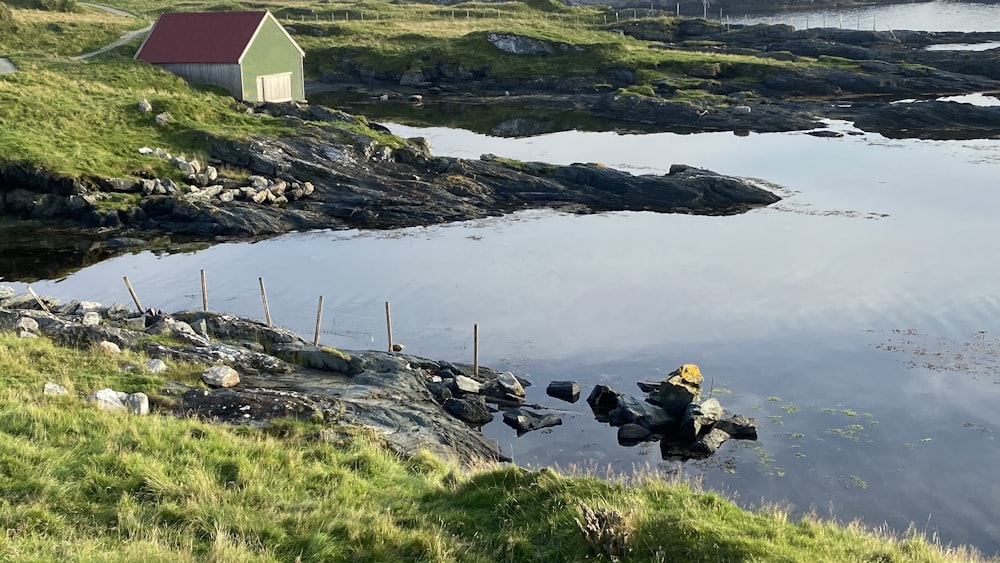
x: 249, y: 54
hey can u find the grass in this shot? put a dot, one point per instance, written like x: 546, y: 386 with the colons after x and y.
x: 81, y: 484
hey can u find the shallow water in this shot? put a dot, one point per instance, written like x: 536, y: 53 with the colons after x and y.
x: 857, y: 320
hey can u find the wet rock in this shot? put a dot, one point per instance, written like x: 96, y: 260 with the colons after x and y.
x: 739, y: 427
x: 221, y: 376
x: 602, y: 401
x: 524, y: 421
x: 632, y: 434
x: 470, y: 410
x: 699, y: 416
x: 566, y: 390
x: 504, y: 386
x: 681, y: 388
x: 636, y: 411
x: 439, y: 390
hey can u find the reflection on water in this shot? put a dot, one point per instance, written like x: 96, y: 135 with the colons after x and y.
x: 792, y: 311
x: 965, y: 46
x: 939, y: 15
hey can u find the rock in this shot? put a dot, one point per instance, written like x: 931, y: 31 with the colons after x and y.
x: 710, y: 442
x: 145, y: 106
x: 504, y: 386
x: 26, y: 324
x: 84, y: 307
x: 117, y: 312
x: 467, y: 385
x: 739, y: 427
x: 220, y: 376
x: 602, y: 401
x: 316, y: 357
x: 91, y: 318
x: 699, y: 416
x: 681, y: 388
x: 439, y: 390
x: 136, y: 403
x: 519, y: 44
x: 258, y: 182
x: 163, y: 119
x: 635, y: 411
x: 156, y: 366
x: 397, y: 347
x: 107, y: 400
x: 26, y: 334
x: 525, y: 421
x: 109, y: 348
x: 6, y: 292
x: 53, y: 389
x: 469, y: 410
x: 566, y: 390
x: 415, y: 98
x: 632, y: 434
x: 243, y: 406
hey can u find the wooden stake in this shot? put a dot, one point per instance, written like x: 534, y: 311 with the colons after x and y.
x: 132, y: 292
x: 319, y: 320
x: 263, y: 296
x: 475, y: 350
x: 39, y: 300
x: 388, y: 324
x: 204, y: 292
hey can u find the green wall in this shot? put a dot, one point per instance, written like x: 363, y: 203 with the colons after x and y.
x: 271, y: 53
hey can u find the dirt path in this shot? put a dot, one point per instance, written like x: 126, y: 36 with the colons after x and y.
x: 121, y: 41
x: 109, y: 9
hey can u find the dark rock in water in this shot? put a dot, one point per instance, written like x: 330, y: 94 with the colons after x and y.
x: 710, y: 442
x: 680, y: 389
x: 602, y: 401
x: 632, y: 434
x: 471, y: 410
x: 739, y: 427
x: 698, y: 416
x: 566, y: 390
x: 635, y: 411
x: 525, y: 421
x: 504, y: 386
x: 649, y: 386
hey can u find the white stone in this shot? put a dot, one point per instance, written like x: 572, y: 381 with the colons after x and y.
x: 109, y: 348
x: 156, y: 366
x: 137, y: 403
x: 26, y: 323
x: 53, y: 389
x: 108, y: 400
x: 467, y: 384
x: 91, y: 318
x: 220, y: 376
x: 26, y: 334
x: 87, y: 306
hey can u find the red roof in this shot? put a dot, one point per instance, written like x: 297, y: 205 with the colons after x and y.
x: 207, y: 37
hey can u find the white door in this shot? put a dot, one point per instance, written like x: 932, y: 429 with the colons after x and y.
x: 275, y: 87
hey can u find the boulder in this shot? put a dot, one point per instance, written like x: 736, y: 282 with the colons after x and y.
x: 145, y: 106
x: 107, y: 400
x: 568, y: 391
x: 602, y: 401
x: 137, y: 403
x: 109, y: 348
x: 632, y: 410
x: 632, y: 434
x: 504, y: 386
x: 739, y: 427
x: 156, y: 366
x: 117, y: 312
x: 469, y: 410
x: 525, y: 421
x: 698, y: 416
x: 26, y: 324
x: 91, y: 318
x: 243, y: 406
x: 680, y: 389
x: 467, y: 385
x: 163, y: 119
x: 220, y: 376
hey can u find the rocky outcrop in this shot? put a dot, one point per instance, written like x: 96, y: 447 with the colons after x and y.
x: 672, y: 414
x: 255, y: 373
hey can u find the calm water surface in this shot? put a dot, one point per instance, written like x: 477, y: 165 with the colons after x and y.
x: 858, y: 320
x: 939, y: 15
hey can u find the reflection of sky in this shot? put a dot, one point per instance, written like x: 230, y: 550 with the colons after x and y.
x: 940, y: 15
x: 775, y: 302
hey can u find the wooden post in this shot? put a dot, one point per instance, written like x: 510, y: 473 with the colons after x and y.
x: 132, y: 292
x: 204, y: 292
x: 475, y: 350
x: 38, y: 300
x: 388, y: 324
x: 263, y: 296
x: 319, y: 320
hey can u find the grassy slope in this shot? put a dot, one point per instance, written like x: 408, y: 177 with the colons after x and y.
x: 80, y: 484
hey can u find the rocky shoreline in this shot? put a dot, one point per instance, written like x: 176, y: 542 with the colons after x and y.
x: 869, y: 70
x: 254, y: 373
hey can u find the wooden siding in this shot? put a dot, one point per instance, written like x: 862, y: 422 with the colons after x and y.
x: 226, y: 76
x: 270, y: 53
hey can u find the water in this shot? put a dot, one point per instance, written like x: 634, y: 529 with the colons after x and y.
x: 939, y: 15
x: 856, y: 320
